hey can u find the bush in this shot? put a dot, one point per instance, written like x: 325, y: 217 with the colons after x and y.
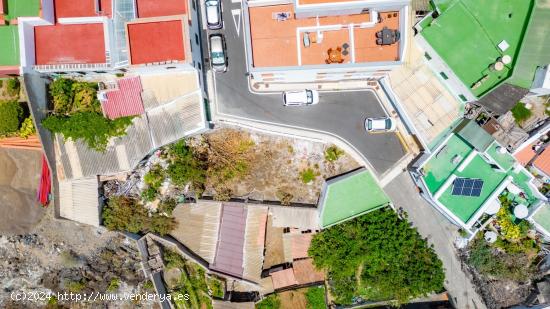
x: 85, y: 98
x: 13, y: 87
x: 488, y: 261
x: 148, y: 285
x: 27, y: 128
x: 75, y: 286
x: 172, y: 259
x: 167, y: 206
x: 396, y: 263
x: 521, y: 113
x: 184, y: 167
x: 284, y: 196
x: 333, y: 153
x: 149, y: 194
x: 154, y: 177
x: 61, y: 91
x: 508, y: 228
x: 270, y: 302
x: 92, y: 128
x: 215, y: 287
x: 307, y: 175
x: 113, y: 285
x: 11, y: 114
x: 125, y: 214
x: 316, y: 298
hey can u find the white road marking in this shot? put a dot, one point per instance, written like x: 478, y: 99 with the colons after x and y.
x: 237, y: 21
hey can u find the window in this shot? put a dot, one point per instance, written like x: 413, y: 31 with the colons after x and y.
x: 427, y: 56
x: 462, y: 97
x: 197, y: 39
x: 191, y: 45
x: 443, y: 75
x: 194, y: 5
x: 200, y: 66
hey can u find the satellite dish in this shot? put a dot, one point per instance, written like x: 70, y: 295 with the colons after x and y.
x: 493, y: 208
x: 490, y: 237
x: 521, y: 211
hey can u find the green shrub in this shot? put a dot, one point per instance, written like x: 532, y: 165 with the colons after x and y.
x: 307, y: 175
x: 75, y: 286
x: 148, y: 285
x: 215, y: 286
x: 396, y: 263
x: 125, y: 214
x: 13, y: 87
x: 149, y: 194
x: 270, y: 302
x: 521, y: 113
x: 167, y: 206
x: 61, y: 91
x: 113, y: 285
x: 85, y: 98
x: 27, y: 128
x: 11, y: 114
x: 316, y: 298
x: 172, y: 259
x: 184, y: 167
x: 92, y: 128
x: 333, y: 153
x: 154, y: 177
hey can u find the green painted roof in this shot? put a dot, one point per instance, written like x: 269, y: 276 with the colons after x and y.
x: 536, y: 45
x: 349, y: 196
x: 9, y: 52
x: 542, y: 217
x: 22, y: 8
x: 453, y: 153
x: 466, y: 34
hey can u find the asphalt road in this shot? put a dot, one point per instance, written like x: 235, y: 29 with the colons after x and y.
x: 339, y: 113
x: 441, y: 233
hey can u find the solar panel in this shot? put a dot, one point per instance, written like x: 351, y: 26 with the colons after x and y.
x: 467, y: 187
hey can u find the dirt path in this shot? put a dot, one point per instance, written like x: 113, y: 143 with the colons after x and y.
x: 19, y: 178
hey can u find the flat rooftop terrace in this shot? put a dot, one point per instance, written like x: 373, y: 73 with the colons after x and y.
x: 156, y: 41
x: 279, y: 42
x: 69, y: 44
x: 156, y: 8
x: 9, y: 52
x: 349, y: 196
x: 21, y: 8
x: 466, y: 35
x: 82, y: 8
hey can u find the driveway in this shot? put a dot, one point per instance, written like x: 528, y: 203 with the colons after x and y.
x: 339, y: 113
x: 441, y: 233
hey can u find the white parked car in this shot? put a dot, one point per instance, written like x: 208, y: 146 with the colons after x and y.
x: 300, y: 98
x: 214, y: 14
x: 377, y: 125
x: 218, y: 52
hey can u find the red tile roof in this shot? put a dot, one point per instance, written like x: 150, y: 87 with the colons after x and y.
x: 526, y: 154
x: 542, y: 162
x: 229, y: 251
x: 305, y: 272
x: 283, y: 278
x: 156, y: 41
x: 300, y: 245
x: 64, y: 44
x: 156, y: 8
x: 125, y: 101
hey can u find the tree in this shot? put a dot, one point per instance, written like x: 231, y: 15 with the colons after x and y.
x: 13, y: 86
x: 92, y: 128
x: 85, y: 98
x: 377, y: 256
x: 11, y: 114
x: 62, y: 94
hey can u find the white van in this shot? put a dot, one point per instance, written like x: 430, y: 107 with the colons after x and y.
x: 299, y: 98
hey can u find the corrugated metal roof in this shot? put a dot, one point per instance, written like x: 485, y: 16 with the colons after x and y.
x: 474, y: 135
x: 79, y: 200
x: 542, y: 162
x: 254, y: 242
x: 297, y: 217
x: 305, y: 272
x: 283, y: 278
x: 124, y: 101
x: 160, y: 125
x: 198, y: 227
x: 230, y: 249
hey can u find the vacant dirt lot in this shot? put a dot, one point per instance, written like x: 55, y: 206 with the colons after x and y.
x: 19, y: 178
x: 278, y: 162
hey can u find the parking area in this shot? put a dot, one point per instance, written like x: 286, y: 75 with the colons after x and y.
x: 339, y: 113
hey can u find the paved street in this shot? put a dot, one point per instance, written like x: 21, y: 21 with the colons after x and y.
x: 441, y: 233
x: 341, y: 113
